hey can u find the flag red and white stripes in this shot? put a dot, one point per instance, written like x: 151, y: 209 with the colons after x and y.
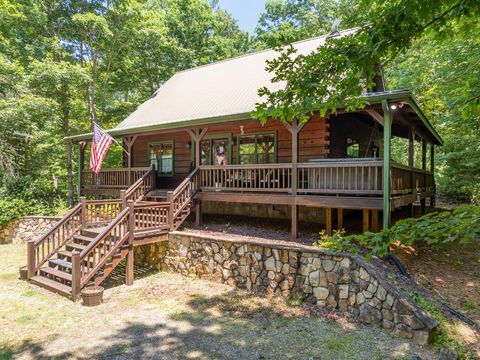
x: 100, y: 144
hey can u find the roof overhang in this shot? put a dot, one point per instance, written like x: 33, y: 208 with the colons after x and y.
x: 371, y: 98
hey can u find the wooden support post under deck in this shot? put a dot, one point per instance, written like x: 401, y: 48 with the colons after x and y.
x: 129, y: 275
x: 340, y: 219
x: 328, y: 221
x: 375, y: 227
x: 294, y: 209
x: 81, y: 165
x: 198, y: 212
x: 366, y: 220
x: 387, y: 131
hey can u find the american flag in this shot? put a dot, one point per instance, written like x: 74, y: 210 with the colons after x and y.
x: 100, y: 144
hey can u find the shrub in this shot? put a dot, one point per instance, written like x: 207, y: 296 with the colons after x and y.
x: 11, y: 209
x: 439, y: 230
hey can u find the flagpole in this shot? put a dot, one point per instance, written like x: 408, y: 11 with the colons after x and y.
x: 126, y: 152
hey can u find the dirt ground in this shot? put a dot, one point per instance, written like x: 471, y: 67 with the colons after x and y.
x: 167, y: 316
x: 450, y: 276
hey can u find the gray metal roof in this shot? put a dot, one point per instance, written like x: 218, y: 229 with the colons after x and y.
x: 219, y: 90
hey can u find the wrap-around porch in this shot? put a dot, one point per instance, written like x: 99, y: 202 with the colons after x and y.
x: 336, y: 162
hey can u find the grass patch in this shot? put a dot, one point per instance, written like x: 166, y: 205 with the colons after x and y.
x: 447, y: 335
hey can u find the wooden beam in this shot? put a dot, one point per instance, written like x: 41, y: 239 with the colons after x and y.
x: 432, y: 169
x: 387, y: 134
x: 197, y: 135
x: 376, y: 116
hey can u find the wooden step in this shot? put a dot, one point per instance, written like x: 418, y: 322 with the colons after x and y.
x: 61, y: 263
x: 92, y: 232
x: 74, y: 246
x: 52, y: 285
x: 85, y: 239
x: 56, y: 273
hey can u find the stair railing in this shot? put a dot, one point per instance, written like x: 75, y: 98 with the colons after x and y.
x: 88, y: 262
x: 182, y: 196
x: 40, y: 250
x: 139, y: 189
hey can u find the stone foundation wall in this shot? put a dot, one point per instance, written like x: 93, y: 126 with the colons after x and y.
x: 152, y: 255
x: 268, y: 211
x: 342, y: 281
x: 26, y: 228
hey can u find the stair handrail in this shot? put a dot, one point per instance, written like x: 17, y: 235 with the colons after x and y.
x: 182, y: 195
x: 89, y: 261
x: 140, y: 188
x: 55, y: 238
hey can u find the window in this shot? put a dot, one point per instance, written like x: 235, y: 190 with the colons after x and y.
x: 160, y: 155
x: 215, y: 151
x: 353, y: 148
x: 257, y: 148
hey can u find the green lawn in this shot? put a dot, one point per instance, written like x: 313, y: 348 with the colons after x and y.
x: 171, y: 317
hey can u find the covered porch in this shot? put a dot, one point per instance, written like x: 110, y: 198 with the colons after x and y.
x: 337, y: 162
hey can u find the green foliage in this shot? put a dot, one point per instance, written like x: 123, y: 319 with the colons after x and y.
x: 54, y: 53
x: 438, y: 230
x: 446, y: 335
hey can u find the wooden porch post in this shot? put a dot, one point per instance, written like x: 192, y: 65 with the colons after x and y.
x: 81, y: 165
x: 76, y: 275
x: 294, y: 128
x: 432, y: 169
x: 328, y: 221
x: 197, y: 135
x: 387, y: 132
x: 340, y: 218
x: 411, y: 160
x: 424, y: 168
x: 129, y: 142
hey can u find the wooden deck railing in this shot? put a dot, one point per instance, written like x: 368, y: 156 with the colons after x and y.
x: 39, y: 251
x: 140, y: 188
x: 120, y: 178
x: 329, y: 176
x: 252, y: 177
x: 341, y: 177
x: 99, y: 212
x: 151, y: 216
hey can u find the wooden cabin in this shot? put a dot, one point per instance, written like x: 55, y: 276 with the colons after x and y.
x: 199, y: 123
x: 194, y: 145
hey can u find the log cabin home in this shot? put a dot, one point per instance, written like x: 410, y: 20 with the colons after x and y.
x: 194, y: 146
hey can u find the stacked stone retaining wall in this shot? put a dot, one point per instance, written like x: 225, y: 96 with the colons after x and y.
x: 26, y: 228
x: 341, y: 281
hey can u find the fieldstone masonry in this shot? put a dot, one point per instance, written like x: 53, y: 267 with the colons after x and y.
x: 341, y: 281
x: 26, y: 228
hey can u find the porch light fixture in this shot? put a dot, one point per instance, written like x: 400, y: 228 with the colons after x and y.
x: 393, y: 106
x: 189, y: 144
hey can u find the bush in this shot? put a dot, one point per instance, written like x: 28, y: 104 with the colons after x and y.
x: 439, y: 230
x: 12, y: 209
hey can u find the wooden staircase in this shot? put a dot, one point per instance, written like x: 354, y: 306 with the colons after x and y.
x: 84, y: 247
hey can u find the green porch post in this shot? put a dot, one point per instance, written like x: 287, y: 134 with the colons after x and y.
x: 387, y: 131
